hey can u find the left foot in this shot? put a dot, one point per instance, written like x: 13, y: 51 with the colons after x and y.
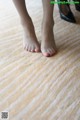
x: 30, y: 41
x: 48, y: 46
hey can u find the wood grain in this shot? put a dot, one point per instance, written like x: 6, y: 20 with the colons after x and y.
x: 33, y: 87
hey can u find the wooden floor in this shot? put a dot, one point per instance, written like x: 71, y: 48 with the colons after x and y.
x: 33, y: 87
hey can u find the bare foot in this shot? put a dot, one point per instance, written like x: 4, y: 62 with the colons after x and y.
x: 48, y: 46
x: 30, y: 41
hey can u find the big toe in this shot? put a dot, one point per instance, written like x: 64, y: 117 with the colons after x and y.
x: 48, y: 52
x: 37, y: 50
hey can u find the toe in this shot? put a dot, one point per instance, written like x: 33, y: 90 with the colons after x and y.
x: 46, y: 54
x: 37, y: 49
x: 49, y: 52
x: 26, y: 48
x: 32, y: 49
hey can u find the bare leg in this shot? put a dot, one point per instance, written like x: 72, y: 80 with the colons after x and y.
x: 48, y: 46
x: 30, y: 40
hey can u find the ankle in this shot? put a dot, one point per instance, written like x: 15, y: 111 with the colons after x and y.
x: 26, y: 21
x: 28, y: 26
x: 48, y: 21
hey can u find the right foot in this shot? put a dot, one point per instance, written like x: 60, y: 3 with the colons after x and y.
x: 30, y: 42
x: 48, y: 46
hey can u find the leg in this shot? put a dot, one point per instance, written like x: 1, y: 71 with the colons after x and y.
x: 48, y: 46
x: 30, y: 39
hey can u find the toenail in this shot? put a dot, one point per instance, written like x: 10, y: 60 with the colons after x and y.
x: 32, y: 50
x: 46, y: 54
x: 36, y: 50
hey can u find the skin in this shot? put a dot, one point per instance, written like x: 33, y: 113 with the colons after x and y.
x: 30, y: 42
